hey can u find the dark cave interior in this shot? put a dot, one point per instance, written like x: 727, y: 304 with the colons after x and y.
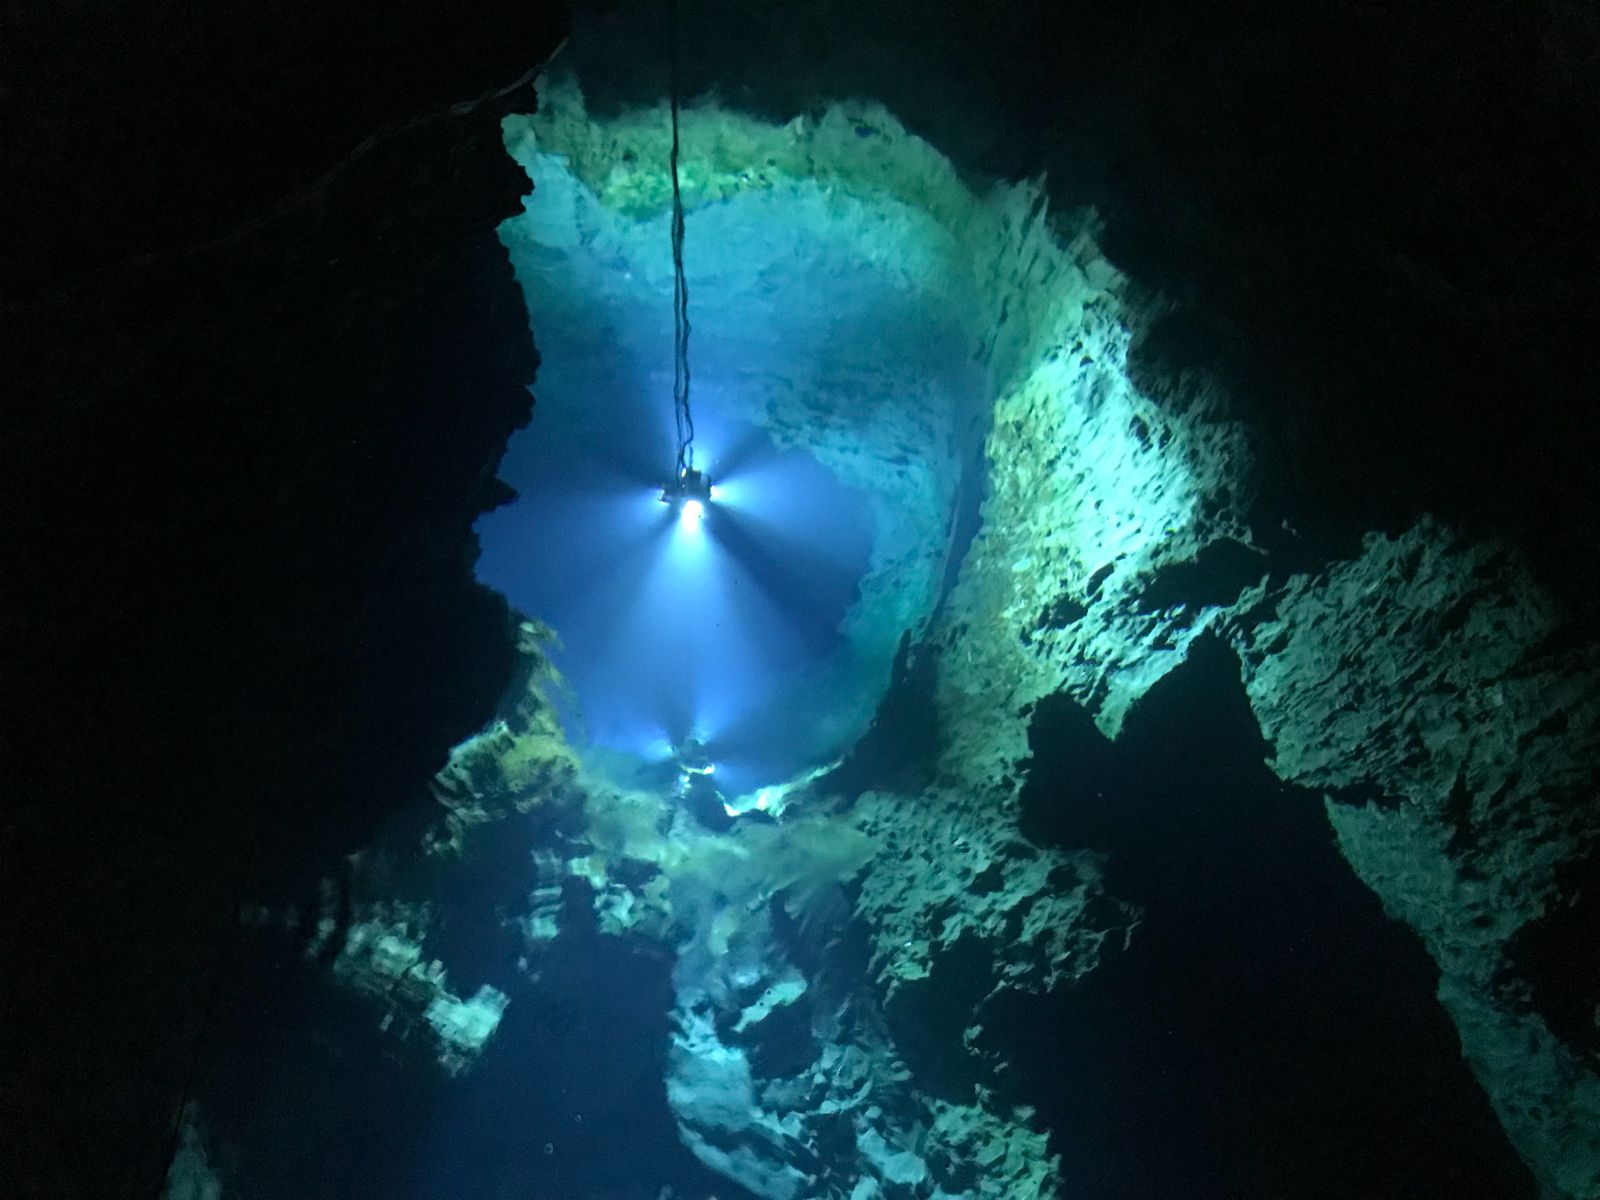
x: 262, y: 355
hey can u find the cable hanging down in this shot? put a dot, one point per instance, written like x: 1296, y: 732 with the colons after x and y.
x: 689, y: 491
x: 682, y: 413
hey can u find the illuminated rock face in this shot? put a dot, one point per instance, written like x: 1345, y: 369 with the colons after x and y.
x: 1427, y: 686
x: 1114, y: 535
x: 1431, y: 679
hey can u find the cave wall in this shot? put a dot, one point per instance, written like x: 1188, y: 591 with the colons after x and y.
x: 1435, y: 691
x: 262, y: 353
x: 1362, y: 221
x: 837, y: 399
x: 1326, y: 350
x: 1267, y: 1029
x: 1457, y: 742
x: 874, y: 402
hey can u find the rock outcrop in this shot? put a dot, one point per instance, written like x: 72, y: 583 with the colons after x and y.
x: 251, y: 283
x: 1124, y: 521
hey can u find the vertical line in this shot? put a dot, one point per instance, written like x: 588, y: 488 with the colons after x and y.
x: 682, y: 414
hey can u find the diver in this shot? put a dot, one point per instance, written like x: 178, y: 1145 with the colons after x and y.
x: 696, y: 787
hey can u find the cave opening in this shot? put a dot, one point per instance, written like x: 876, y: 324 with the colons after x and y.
x: 840, y: 402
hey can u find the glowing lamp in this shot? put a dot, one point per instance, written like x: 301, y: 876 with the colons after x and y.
x: 688, y: 496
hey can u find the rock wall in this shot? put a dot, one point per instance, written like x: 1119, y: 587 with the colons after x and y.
x: 1121, y: 525
x: 1429, y: 686
x: 856, y: 354
x: 250, y: 285
x: 783, y: 1074
x: 1124, y: 520
x: 1437, y: 696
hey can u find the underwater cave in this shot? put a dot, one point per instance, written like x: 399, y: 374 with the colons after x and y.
x: 837, y: 410
x: 675, y: 600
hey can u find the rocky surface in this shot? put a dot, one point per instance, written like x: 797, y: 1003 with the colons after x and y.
x: 1430, y: 676
x: 1431, y: 689
x: 1362, y: 222
x: 1100, y: 563
x: 783, y: 1072
x: 1428, y: 681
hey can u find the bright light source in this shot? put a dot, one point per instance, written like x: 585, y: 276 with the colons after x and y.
x: 689, y: 516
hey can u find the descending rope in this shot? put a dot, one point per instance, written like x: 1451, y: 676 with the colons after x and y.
x: 680, y: 294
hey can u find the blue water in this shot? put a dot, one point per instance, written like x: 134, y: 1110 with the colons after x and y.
x: 729, y: 632
x: 669, y: 631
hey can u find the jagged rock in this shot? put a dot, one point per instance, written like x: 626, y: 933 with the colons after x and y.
x: 464, y: 1027
x: 1423, y: 684
x: 191, y: 1175
x: 521, y: 761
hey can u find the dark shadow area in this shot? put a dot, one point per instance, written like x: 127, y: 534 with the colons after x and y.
x: 1269, y: 1032
x: 930, y: 1016
x: 570, y: 1100
x: 305, y: 1095
x: 239, y: 464
x: 1216, y: 575
x: 1559, y: 956
x: 971, y: 490
x: 217, y: 113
